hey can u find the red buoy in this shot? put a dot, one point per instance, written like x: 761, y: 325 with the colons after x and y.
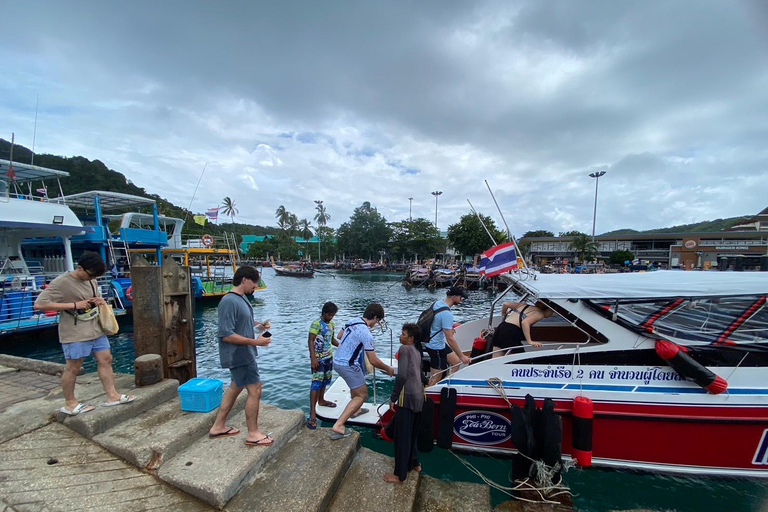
x: 581, y: 430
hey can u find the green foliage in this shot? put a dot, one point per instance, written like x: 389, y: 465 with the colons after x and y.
x: 619, y: 257
x: 571, y: 233
x: 585, y: 247
x: 414, y: 238
x: 538, y: 233
x: 365, y: 234
x: 468, y: 236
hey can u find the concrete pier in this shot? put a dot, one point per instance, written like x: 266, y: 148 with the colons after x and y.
x: 149, y: 455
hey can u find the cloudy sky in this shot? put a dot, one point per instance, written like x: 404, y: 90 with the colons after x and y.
x: 345, y: 102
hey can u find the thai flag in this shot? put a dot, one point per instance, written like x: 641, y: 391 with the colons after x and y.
x: 498, y: 260
x: 42, y: 192
x: 212, y: 213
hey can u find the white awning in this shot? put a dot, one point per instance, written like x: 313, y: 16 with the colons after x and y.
x: 110, y: 201
x: 643, y: 285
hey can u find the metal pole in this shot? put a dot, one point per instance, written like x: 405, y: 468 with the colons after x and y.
x: 595, y: 175
x: 436, y: 193
x: 410, y: 209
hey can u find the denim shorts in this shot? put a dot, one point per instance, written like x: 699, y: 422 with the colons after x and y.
x: 81, y: 349
x: 246, y: 375
x: 352, y: 375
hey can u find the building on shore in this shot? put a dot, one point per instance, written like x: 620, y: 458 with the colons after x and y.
x: 742, y: 247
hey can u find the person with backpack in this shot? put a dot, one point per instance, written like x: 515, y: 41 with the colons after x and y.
x: 355, y: 338
x: 441, y: 346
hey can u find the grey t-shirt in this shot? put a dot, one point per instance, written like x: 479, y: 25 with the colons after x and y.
x: 235, y: 317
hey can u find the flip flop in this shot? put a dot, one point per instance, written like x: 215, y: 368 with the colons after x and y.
x: 231, y: 431
x: 124, y: 399
x: 78, y: 409
x: 330, y: 405
x: 311, y: 424
x: 264, y: 441
x: 335, y: 436
x: 359, y: 412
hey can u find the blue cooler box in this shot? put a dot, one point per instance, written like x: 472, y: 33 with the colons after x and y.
x: 201, y: 395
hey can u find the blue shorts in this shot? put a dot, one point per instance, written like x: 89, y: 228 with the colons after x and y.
x: 246, y: 375
x: 81, y: 349
x: 352, y: 375
x: 322, y: 377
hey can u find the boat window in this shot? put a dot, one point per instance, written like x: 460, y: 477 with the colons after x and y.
x: 741, y: 319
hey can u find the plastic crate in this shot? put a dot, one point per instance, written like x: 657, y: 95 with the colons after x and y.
x: 200, y: 395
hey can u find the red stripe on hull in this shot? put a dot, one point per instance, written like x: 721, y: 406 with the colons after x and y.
x: 695, y: 436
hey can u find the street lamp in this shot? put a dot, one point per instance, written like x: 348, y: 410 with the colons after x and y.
x: 436, y: 193
x: 319, y: 205
x: 595, y: 175
x: 410, y: 209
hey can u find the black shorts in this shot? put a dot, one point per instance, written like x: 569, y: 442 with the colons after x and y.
x: 508, y: 335
x: 438, y: 359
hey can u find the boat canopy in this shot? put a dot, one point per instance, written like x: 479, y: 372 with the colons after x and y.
x: 27, y: 172
x: 109, y: 201
x: 642, y: 285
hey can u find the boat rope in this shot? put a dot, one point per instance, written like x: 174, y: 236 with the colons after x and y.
x: 546, y: 491
x: 498, y: 385
x: 577, y: 363
x: 737, y: 366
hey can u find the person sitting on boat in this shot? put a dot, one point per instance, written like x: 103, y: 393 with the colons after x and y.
x: 322, y: 333
x: 519, y: 317
x: 356, y: 337
x: 442, y: 347
x: 75, y: 294
x: 408, y: 395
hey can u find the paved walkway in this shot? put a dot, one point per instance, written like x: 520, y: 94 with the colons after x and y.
x: 18, y: 386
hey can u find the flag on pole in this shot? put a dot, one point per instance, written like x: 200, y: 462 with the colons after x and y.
x: 212, y: 213
x: 42, y: 192
x: 498, y: 260
x: 199, y: 219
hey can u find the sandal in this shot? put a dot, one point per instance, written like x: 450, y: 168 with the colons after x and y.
x: 311, y: 424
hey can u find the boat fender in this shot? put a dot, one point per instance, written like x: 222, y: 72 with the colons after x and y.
x: 553, y: 434
x: 678, y: 358
x: 207, y: 240
x: 447, y: 415
x: 581, y: 430
x: 425, y: 428
x: 129, y: 293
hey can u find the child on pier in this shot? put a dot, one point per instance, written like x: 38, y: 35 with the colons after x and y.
x: 321, y: 336
x: 408, y: 395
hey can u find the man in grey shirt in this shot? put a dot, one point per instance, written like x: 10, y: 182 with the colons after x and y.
x: 237, y: 351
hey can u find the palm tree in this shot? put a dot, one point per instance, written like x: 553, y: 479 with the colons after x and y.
x: 228, y: 208
x: 585, y: 247
x: 322, y: 217
x: 305, y: 228
x: 283, y: 217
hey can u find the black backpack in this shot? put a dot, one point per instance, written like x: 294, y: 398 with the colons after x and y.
x: 425, y: 324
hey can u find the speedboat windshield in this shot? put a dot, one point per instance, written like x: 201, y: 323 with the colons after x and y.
x: 725, y: 320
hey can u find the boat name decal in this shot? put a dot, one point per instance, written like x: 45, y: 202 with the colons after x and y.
x: 647, y: 375
x: 481, y: 427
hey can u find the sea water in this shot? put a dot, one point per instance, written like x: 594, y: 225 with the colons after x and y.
x: 292, y: 304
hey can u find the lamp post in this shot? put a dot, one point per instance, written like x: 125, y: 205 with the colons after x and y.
x: 319, y: 205
x: 410, y: 209
x: 436, y: 193
x: 595, y: 175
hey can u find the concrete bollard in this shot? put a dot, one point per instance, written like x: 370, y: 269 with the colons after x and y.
x: 148, y: 369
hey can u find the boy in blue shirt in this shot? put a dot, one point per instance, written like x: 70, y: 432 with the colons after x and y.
x: 321, y: 337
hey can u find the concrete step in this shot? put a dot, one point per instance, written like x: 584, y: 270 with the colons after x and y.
x: 303, y: 477
x: 365, y: 489
x: 159, y: 434
x: 438, y: 496
x: 102, y: 419
x: 214, y: 470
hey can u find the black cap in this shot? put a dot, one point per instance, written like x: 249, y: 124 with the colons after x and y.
x: 456, y: 290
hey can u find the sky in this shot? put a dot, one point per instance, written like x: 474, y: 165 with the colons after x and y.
x: 285, y: 103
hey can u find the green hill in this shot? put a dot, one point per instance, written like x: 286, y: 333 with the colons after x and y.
x: 707, y: 226
x: 85, y: 175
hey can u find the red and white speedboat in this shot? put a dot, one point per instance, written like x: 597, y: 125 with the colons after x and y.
x: 614, y: 340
